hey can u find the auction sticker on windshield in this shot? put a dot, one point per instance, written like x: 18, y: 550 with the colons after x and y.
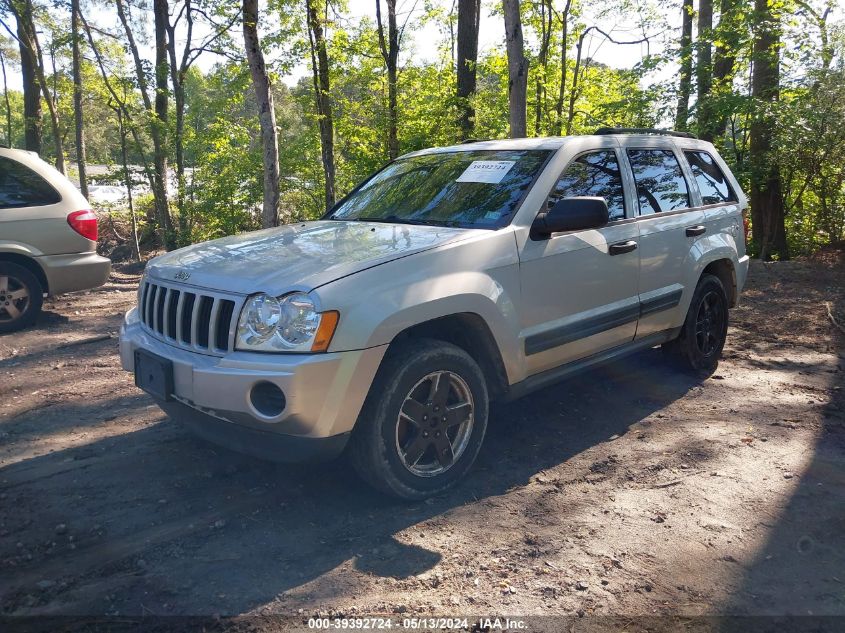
x: 489, y: 171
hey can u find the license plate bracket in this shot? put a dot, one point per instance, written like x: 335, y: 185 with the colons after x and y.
x: 154, y: 375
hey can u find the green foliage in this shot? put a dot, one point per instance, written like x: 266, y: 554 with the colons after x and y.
x: 16, y: 107
x: 359, y: 95
x: 810, y: 152
x: 225, y: 191
x: 222, y: 135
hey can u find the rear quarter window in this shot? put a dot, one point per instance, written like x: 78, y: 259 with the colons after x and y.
x: 712, y: 184
x: 22, y: 187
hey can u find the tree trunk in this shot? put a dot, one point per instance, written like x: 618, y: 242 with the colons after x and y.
x: 728, y: 38
x: 32, y: 71
x: 158, y: 126
x: 729, y: 34
x: 177, y: 76
x: 266, y: 114
x: 178, y: 71
x: 161, y: 19
x: 31, y: 51
x: 517, y: 70
x: 31, y: 89
x: 390, y: 53
x: 573, y: 93
x: 469, y: 14
x: 77, y: 98
x: 136, y: 57
x: 543, y: 59
x: 179, y: 144
x: 127, y: 179
x: 685, y: 82
x: 767, y: 208
x: 6, y: 99
x: 704, y: 69
x: 451, y: 22
x: 119, y: 103
x: 320, y: 67
x: 51, y: 103
x: 564, y: 35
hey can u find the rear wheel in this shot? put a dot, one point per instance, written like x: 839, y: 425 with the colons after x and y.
x: 702, y: 338
x: 21, y: 296
x: 424, y: 420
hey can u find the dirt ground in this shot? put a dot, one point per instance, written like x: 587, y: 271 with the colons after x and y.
x: 632, y: 489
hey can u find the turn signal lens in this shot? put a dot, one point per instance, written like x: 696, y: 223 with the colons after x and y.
x: 84, y: 223
x: 328, y: 324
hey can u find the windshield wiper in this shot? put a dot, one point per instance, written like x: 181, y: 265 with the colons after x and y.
x: 396, y: 219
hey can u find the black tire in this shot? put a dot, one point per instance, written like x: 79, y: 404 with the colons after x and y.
x: 21, y: 296
x: 699, y: 346
x: 385, y: 440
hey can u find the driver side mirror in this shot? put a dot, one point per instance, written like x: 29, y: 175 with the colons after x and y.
x: 571, y: 214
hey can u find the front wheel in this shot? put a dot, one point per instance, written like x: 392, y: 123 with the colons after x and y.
x: 424, y: 420
x: 699, y: 345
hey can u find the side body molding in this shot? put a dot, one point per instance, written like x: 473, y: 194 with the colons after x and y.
x: 589, y: 326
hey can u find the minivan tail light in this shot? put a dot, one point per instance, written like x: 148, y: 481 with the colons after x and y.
x: 84, y: 223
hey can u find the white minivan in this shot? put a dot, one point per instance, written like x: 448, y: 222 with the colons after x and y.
x: 48, y: 238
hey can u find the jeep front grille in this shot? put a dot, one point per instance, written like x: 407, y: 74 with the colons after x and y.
x: 202, y: 321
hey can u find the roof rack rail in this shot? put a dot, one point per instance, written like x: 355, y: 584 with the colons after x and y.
x: 641, y: 130
x: 473, y: 140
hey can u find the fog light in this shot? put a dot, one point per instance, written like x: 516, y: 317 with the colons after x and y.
x: 267, y: 399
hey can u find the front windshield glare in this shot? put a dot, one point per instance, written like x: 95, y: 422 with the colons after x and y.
x: 478, y: 189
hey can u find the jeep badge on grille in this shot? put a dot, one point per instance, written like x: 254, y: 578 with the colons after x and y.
x: 182, y: 275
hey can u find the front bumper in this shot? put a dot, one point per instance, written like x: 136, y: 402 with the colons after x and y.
x: 323, y: 394
x: 77, y: 271
x: 274, y: 447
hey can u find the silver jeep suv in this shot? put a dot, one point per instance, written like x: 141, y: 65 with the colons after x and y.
x: 451, y: 278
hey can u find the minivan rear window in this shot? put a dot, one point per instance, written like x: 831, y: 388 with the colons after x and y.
x: 22, y: 187
x: 712, y: 184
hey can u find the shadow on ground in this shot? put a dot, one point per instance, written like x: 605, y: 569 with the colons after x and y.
x: 164, y: 523
x: 800, y: 571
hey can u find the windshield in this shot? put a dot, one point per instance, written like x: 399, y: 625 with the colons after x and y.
x: 473, y: 189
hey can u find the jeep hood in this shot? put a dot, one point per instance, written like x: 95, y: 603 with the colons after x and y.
x: 296, y: 257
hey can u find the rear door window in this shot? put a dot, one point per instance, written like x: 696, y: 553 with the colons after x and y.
x: 712, y: 184
x: 22, y: 187
x: 593, y: 174
x: 661, y: 185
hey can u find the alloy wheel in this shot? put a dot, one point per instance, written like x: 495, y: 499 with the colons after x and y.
x: 14, y: 299
x: 435, y: 423
x: 709, y: 323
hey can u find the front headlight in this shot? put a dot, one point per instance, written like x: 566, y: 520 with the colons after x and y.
x: 290, y: 323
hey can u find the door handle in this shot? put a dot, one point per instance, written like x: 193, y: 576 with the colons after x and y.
x: 699, y: 229
x: 622, y: 247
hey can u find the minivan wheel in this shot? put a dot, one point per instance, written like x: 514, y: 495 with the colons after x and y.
x: 424, y: 420
x: 21, y: 296
x: 703, y: 334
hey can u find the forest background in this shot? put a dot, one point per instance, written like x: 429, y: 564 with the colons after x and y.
x: 215, y: 117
